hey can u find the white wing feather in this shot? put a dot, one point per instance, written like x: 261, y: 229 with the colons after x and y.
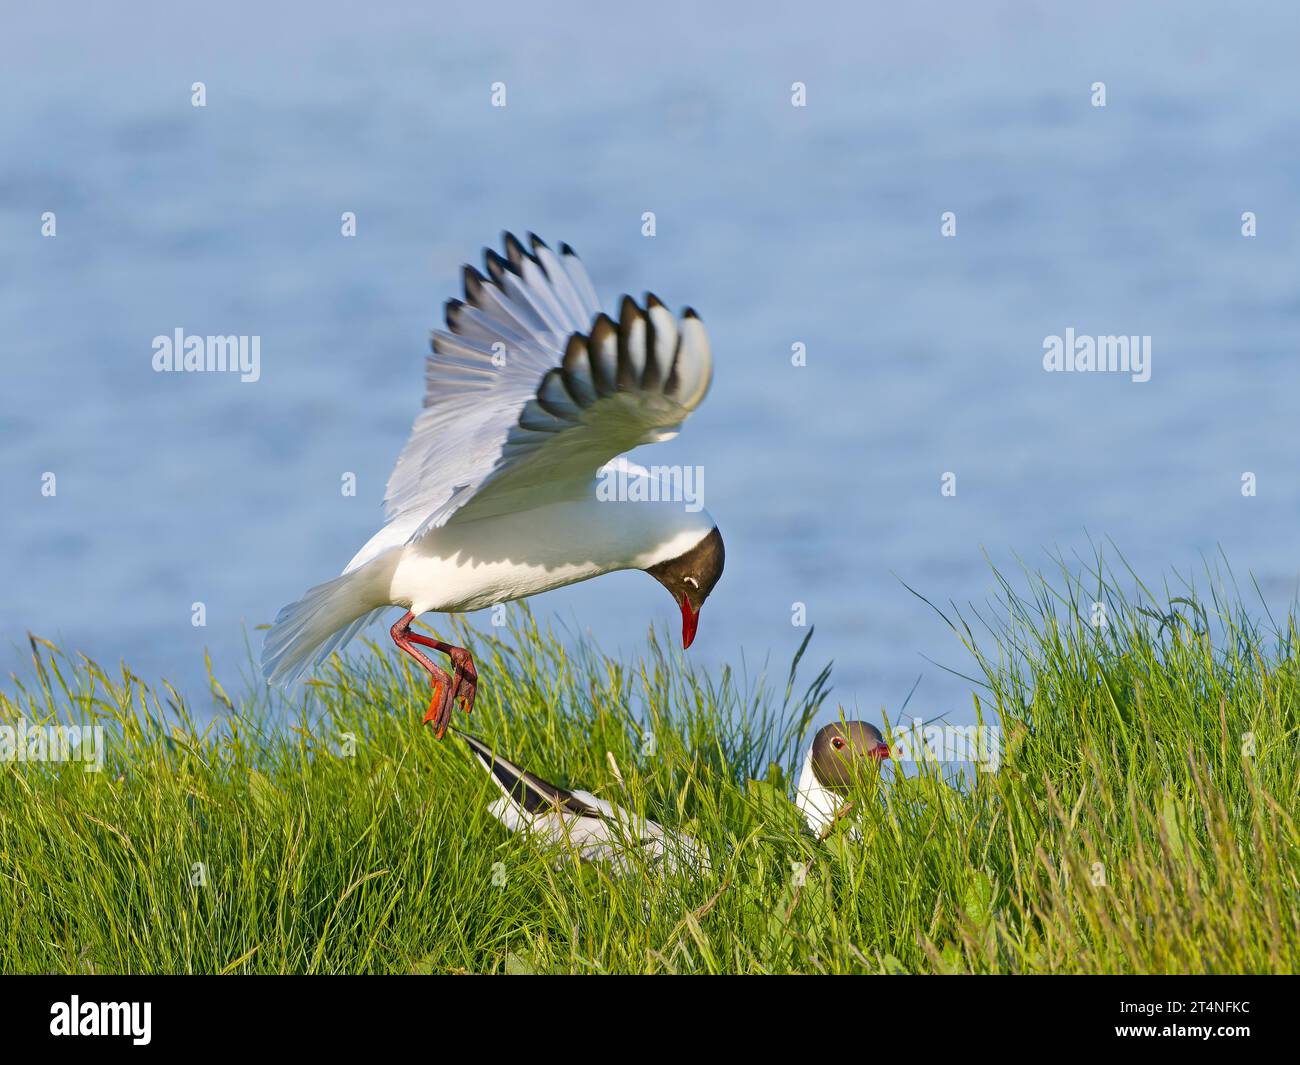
x: 531, y: 389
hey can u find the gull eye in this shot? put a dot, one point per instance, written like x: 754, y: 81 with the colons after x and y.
x: 691, y: 581
x: 838, y: 743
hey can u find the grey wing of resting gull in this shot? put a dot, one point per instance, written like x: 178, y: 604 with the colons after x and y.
x: 579, y: 822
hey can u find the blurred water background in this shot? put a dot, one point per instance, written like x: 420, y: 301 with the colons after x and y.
x: 818, y: 225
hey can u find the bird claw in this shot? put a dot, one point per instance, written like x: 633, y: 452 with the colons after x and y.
x: 464, y: 681
x: 438, y: 712
x: 461, y: 686
x: 462, y: 689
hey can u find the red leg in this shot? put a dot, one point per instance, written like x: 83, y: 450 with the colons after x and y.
x: 464, y: 677
x: 462, y: 684
x: 404, y: 638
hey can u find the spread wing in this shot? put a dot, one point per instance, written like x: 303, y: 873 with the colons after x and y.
x: 530, y: 390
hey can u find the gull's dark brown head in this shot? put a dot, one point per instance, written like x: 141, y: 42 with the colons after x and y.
x: 690, y: 578
x: 842, y: 748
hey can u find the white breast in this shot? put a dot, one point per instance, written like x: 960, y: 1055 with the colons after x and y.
x: 471, y: 565
x: 817, y: 804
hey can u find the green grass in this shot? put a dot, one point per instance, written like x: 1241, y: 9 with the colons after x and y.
x: 1162, y: 746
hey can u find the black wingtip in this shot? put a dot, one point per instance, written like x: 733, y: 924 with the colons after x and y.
x: 574, y: 349
x: 451, y: 313
x: 496, y: 265
x: 474, y: 744
x: 567, y: 249
x: 515, y: 250
x: 603, y: 322
x: 474, y: 282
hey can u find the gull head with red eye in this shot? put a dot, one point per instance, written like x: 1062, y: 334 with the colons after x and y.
x: 842, y: 748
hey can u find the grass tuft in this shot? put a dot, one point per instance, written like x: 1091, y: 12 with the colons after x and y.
x: 1143, y: 818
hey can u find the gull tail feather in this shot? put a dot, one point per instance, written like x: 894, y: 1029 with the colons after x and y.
x: 307, y: 632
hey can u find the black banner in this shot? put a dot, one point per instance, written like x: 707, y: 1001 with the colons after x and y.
x: 335, y: 1014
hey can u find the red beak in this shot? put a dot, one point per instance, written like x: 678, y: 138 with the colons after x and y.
x: 880, y: 753
x: 690, y: 619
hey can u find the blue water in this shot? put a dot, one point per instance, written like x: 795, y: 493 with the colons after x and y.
x: 779, y: 224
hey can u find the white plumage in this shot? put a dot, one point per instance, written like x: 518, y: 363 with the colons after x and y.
x: 820, y: 806
x: 530, y: 391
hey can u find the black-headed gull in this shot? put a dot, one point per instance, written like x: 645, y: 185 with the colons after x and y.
x: 530, y: 392
x: 837, y: 755
x: 591, y: 828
